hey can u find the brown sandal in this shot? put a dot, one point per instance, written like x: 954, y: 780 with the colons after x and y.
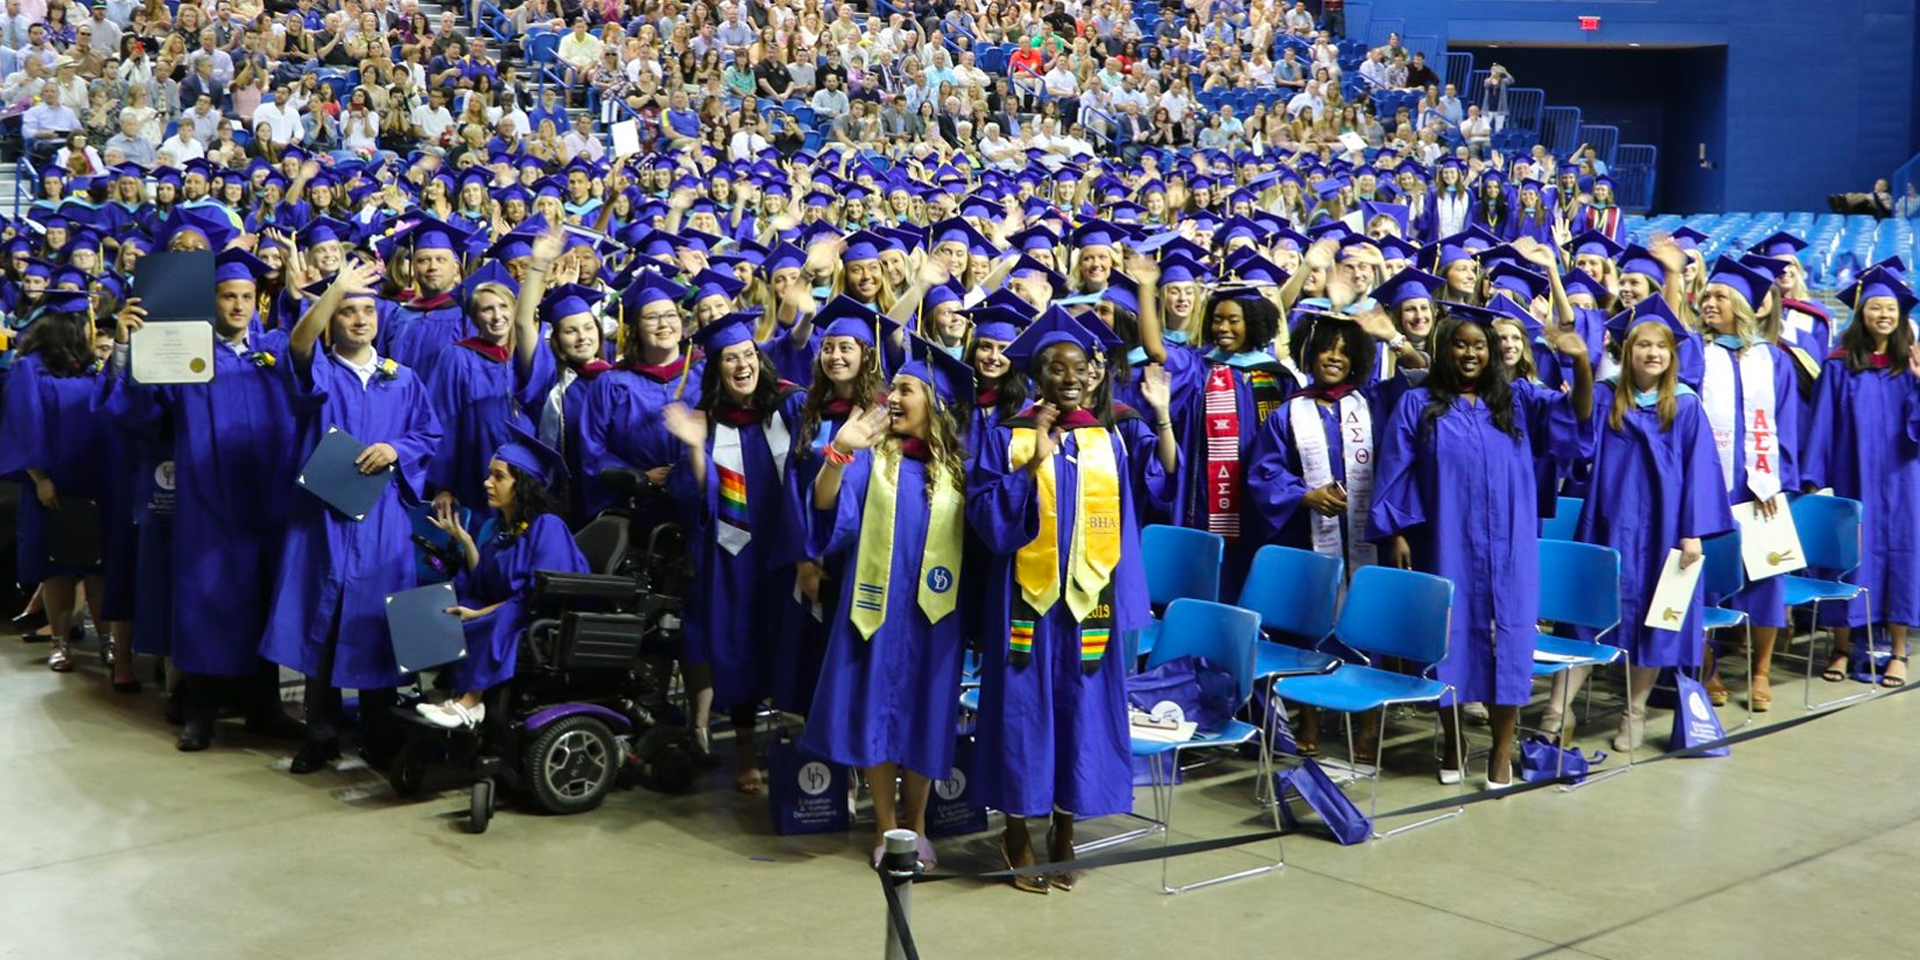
x: 1717, y: 692
x: 1760, y: 695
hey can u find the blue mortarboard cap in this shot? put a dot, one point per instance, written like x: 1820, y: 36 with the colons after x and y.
x: 1411, y: 283
x: 1651, y: 309
x: 1689, y: 239
x: 650, y: 286
x: 864, y: 245
x: 1251, y: 267
x: 713, y: 283
x: 238, y: 264
x: 1878, y: 281
x: 1741, y: 278
x: 1396, y: 212
x: 1518, y: 280
x: 946, y: 291
x: 431, y: 234
x: 1769, y: 267
x: 525, y: 451
x: 1638, y: 259
x: 843, y: 316
x: 1595, y: 243
x: 210, y: 223
x: 567, y: 300
x: 1055, y: 326
x: 65, y: 301
x: 783, y: 256
x: 723, y: 333
x: 324, y: 230
x: 1331, y: 229
x: 949, y: 377
x: 1123, y: 292
x: 1578, y: 281
x: 1094, y: 233
x: 997, y: 322
x: 37, y: 267
x: 1179, y: 269
x: 489, y: 272
x: 1028, y: 267
x: 513, y: 246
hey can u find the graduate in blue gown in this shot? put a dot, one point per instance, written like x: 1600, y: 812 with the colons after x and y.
x: 430, y: 318
x: 496, y: 577
x: 477, y: 386
x: 846, y: 380
x: 887, y: 511
x: 561, y: 369
x: 747, y: 537
x: 54, y: 445
x: 1647, y: 272
x: 1750, y: 395
x: 230, y: 444
x: 1454, y: 495
x: 329, y: 615
x: 1864, y: 442
x: 621, y: 427
x: 1053, y: 729
x: 1655, y: 488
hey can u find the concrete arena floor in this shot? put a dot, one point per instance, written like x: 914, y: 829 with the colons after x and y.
x: 114, y: 845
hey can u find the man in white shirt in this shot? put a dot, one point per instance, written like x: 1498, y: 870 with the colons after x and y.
x: 581, y: 142
x: 580, y: 50
x: 1299, y: 21
x: 749, y: 140
x: 1308, y: 99
x: 1450, y: 106
x: 736, y: 35
x: 830, y: 101
x: 46, y: 124
x: 1374, y: 70
x: 106, y: 33
x: 432, y: 119
x: 284, y: 124
x: 969, y: 73
x: 210, y: 50
x: 1000, y: 151
x: 203, y: 118
x: 1478, y: 132
x: 181, y: 147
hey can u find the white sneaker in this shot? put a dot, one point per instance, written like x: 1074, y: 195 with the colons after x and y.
x: 1476, y: 713
x: 453, y: 714
x: 1494, y: 785
x: 1450, y: 777
x: 1633, y: 732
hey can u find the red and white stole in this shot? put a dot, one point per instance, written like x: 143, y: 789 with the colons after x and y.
x: 1753, y: 432
x: 1222, y: 495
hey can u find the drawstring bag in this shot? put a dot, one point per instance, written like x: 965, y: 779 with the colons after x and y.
x: 954, y: 807
x: 805, y: 794
x: 1184, y: 689
x: 1542, y: 759
x: 1328, y: 802
x: 1694, y: 720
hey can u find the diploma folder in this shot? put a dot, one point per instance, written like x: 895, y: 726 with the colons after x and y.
x: 73, y: 533
x: 331, y: 475
x: 175, y: 286
x: 424, y: 634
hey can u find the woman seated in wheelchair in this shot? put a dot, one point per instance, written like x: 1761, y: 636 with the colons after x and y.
x: 530, y: 534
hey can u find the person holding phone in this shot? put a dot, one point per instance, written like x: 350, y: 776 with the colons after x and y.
x: 328, y: 616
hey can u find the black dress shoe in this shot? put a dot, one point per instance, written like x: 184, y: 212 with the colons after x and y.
x: 276, y: 726
x: 176, y: 709
x: 28, y: 622
x: 196, y: 735
x: 127, y: 686
x: 315, y: 756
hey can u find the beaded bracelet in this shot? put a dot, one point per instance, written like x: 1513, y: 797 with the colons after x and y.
x: 835, y: 457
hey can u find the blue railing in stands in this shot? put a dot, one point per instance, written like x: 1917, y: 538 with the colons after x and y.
x: 495, y: 23
x: 1562, y: 130
x: 1635, y: 165
x: 1905, y: 183
x: 1603, y: 138
x: 24, y: 180
x: 1459, y: 70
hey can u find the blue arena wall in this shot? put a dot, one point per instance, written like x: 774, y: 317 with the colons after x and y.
x: 1794, y: 100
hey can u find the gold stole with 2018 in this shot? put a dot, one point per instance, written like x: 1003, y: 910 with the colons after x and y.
x: 1093, y: 547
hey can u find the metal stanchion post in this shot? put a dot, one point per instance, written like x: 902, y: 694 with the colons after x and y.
x: 897, y: 868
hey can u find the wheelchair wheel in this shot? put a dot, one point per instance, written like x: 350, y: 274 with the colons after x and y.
x: 480, y: 806
x: 408, y: 771
x: 571, y: 764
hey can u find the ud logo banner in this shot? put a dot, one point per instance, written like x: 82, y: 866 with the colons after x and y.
x: 954, y: 808
x: 805, y: 794
x: 940, y: 579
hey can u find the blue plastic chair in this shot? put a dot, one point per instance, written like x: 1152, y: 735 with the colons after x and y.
x: 1181, y: 562
x: 1297, y: 595
x: 1580, y: 587
x: 1566, y: 515
x: 1829, y: 529
x: 1723, y: 575
x: 1388, y: 613
x: 1224, y: 636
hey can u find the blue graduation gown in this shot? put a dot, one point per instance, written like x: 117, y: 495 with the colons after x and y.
x: 233, y: 458
x: 1864, y: 442
x: 797, y: 665
x: 47, y: 423
x: 505, y: 576
x: 1652, y: 487
x: 894, y: 698
x: 473, y: 396
x: 1275, y: 482
x: 793, y: 360
x: 1463, y: 494
x: 740, y: 608
x: 1051, y: 734
x: 325, y: 552
x: 1765, y: 601
x: 621, y: 427
x: 423, y: 331
x: 1194, y: 483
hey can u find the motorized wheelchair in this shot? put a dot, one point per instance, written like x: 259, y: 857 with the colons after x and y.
x: 588, y: 707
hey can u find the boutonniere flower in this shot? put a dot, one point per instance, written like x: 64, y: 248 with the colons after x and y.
x: 264, y: 359
x: 388, y: 368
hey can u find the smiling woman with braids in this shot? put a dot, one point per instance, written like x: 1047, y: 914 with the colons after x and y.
x: 1455, y: 496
